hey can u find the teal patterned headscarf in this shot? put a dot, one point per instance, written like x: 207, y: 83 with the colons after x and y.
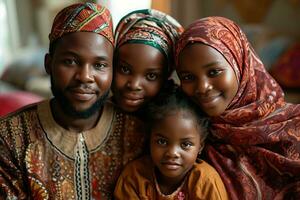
x: 150, y: 27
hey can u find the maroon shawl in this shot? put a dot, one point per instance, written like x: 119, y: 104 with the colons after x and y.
x: 255, y: 143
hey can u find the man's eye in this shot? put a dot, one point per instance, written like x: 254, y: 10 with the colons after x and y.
x: 125, y: 70
x: 69, y: 61
x: 99, y: 66
x: 152, y: 76
x: 161, y: 141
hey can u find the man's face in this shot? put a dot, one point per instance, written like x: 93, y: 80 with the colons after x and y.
x: 81, y: 72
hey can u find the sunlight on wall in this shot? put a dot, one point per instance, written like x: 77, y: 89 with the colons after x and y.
x: 3, y: 34
x: 120, y: 8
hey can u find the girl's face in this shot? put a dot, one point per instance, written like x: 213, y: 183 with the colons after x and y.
x: 207, y: 78
x: 175, y: 144
x: 138, y: 75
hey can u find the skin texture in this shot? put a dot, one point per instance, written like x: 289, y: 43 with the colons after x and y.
x: 207, y: 78
x: 81, y: 72
x: 175, y: 144
x: 138, y: 75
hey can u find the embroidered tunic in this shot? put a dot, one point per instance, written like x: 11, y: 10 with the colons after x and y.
x: 41, y: 160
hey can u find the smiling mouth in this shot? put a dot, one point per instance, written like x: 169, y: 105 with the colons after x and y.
x: 82, y: 95
x: 133, y: 102
x: 208, y: 100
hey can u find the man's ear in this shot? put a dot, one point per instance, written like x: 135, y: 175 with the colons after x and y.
x: 47, y: 63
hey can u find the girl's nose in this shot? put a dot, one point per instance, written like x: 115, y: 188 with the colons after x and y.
x: 134, y: 83
x: 172, y: 152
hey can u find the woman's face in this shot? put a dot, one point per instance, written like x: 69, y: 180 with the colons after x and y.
x: 207, y: 78
x: 139, y: 74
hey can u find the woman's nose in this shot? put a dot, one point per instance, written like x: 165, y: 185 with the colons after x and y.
x: 203, y: 86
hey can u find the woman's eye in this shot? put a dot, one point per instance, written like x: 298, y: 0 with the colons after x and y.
x: 125, y: 70
x: 99, y: 66
x: 214, y: 72
x: 186, y: 145
x: 152, y: 76
x: 161, y: 141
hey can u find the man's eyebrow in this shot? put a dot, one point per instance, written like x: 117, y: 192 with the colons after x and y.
x: 72, y: 53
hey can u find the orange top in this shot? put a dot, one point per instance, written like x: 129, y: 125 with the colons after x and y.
x: 137, y: 181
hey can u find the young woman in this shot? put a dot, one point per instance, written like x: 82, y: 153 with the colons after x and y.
x: 177, y: 134
x: 255, y: 143
x: 143, y: 57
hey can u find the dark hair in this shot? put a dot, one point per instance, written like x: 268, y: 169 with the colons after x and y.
x: 170, y: 100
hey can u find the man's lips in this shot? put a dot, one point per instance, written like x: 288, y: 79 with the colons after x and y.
x: 82, y: 94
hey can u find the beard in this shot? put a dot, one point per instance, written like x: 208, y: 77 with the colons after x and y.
x: 67, y: 108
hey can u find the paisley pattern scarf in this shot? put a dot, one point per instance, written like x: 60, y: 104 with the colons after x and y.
x: 255, y: 143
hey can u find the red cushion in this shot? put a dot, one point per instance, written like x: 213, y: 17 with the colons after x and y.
x: 12, y: 101
x: 287, y: 69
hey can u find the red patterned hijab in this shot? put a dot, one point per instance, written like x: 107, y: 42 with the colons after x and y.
x: 255, y: 143
x: 83, y: 17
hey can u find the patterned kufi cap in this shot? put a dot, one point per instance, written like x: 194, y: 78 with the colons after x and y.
x: 82, y: 17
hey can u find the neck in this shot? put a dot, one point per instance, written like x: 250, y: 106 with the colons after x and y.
x: 168, y: 185
x: 72, y: 123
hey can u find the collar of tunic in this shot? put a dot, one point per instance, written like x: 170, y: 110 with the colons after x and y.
x: 65, y: 140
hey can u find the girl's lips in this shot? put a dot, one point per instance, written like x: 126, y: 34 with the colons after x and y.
x: 133, y: 102
x: 171, y: 165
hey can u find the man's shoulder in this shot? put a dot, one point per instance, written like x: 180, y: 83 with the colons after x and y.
x: 24, y: 111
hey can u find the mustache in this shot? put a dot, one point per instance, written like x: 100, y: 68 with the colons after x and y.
x: 83, y: 87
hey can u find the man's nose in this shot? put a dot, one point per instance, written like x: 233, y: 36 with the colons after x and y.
x: 84, y: 74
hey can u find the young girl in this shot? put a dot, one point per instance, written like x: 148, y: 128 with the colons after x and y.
x: 177, y: 134
x: 255, y: 134
x: 143, y: 57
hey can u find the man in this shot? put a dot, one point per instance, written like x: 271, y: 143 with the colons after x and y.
x: 74, y: 145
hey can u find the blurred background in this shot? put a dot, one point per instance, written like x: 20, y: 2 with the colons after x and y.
x: 272, y: 27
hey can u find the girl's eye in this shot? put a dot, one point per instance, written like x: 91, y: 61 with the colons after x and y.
x: 161, y: 141
x: 125, y: 70
x: 99, y: 66
x: 186, y: 77
x: 186, y: 145
x: 152, y: 76
x: 214, y: 72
